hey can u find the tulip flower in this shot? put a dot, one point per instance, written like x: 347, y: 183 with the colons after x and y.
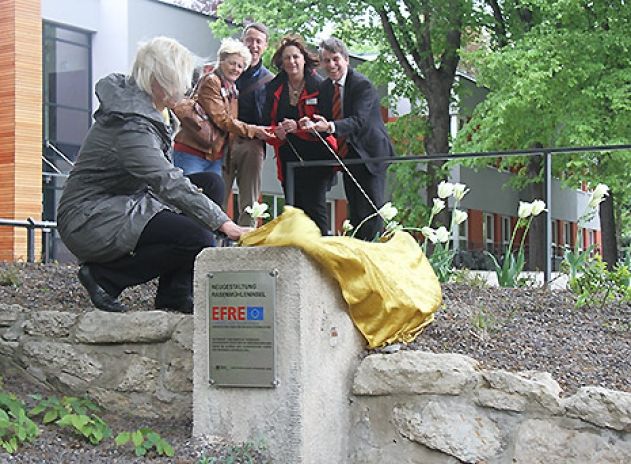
x: 460, y: 190
x: 598, y: 195
x: 459, y: 216
x: 445, y: 189
x: 388, y: 212
x: 439, y: 205
x: 429, y: 233
x: 257, y: 210
x: 442, y: 234
x: 525, y: 210
x: 537, y: 207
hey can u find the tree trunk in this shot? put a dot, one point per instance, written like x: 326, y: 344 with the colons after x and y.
x: 437, y: 140
x: 608, y: 231
x: 537, y: 235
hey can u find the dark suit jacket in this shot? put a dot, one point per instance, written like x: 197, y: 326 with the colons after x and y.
x: 362, y: 124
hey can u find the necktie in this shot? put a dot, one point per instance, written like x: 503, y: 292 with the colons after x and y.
x: 337, y: 114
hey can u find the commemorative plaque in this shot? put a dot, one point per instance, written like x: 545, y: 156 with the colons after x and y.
x: 241, y: 329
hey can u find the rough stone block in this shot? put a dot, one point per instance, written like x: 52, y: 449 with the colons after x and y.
x: 138, y: 327
x: 537, y: 388
x: 457, y: 429
x: 410, y: 372
x: 183, y: 334
x: 600, y: 406
x: 306, y: 418
x: 54, y: 324
x: 9, y: 313
x: 545, y: 442
x: 62, y: 361
x: 140, y: 375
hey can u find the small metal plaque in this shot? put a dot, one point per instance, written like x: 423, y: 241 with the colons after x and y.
x: 242, y: 346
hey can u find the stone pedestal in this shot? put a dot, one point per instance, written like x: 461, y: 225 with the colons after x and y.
x: 306, y: 418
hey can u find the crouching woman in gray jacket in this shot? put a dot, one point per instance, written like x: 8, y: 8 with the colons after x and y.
x: 126, y: 212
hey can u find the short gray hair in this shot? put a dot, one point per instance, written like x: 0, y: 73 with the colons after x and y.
x: 334, y: 45
x: 165, y: 61
x: 262, y: 28
x: 234, y: 47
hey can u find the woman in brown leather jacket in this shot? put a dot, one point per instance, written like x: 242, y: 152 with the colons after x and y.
x: 217, y: 95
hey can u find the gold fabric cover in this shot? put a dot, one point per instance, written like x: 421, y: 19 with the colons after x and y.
x: 390, y: 287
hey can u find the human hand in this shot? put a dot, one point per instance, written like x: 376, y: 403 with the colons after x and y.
x: 263, y: 133
x: 317, y: 123
x: 279, y: 131
x: 289, y: 125
x: 232, y: 230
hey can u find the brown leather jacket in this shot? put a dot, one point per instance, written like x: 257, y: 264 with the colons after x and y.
x: 222, y: 110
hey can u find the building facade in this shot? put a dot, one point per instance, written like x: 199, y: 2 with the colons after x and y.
x: 56, y: 50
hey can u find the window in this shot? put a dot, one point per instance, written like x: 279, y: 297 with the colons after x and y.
x: 555, y: 237
x: 67, y: 91
x: 567, y: 235
x: 488, y: 231
x: 461, y: 236
x: 581, y: 234
x: 506, y: 232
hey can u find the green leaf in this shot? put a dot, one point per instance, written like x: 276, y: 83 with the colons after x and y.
x: 50, y: 416
x: 137, y: 438
x: 122, y: 438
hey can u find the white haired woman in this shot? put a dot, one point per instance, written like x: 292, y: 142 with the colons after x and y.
x: 126, y: 212
x: 217, y: 94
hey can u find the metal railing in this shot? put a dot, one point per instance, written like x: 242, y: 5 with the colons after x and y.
x: 546, y: 153
x: 31, y: 225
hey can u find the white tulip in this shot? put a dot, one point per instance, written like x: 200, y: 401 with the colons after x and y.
x: 429, y: 233
x: 347, y: 226
x: 442, y: 234
x: 538, y: 206
x: 445, y: 189
x: 257, y: 210
x: 388, y: 212
x: 598, y: 195
x: 459, y: 216
x: 460, y: 190
x: 439, y: 205
x: 393, y: 226
x: 525, y: 209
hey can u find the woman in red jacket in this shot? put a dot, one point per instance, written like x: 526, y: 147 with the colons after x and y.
x: 292, y: 94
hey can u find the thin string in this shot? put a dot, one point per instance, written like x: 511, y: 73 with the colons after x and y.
x: 339, y: 160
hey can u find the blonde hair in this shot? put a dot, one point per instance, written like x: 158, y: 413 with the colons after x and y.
x: 165, y: 61
x: 234, y: 47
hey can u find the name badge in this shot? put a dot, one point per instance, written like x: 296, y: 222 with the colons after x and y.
x: 311, y: 101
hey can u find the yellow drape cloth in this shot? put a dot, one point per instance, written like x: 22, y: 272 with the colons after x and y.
x: 390, y: 287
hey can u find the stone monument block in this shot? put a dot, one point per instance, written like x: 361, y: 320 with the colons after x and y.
x: 304, y: 416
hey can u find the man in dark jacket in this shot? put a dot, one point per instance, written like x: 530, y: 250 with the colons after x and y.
x: 349, y: 109
x: 244, y: 158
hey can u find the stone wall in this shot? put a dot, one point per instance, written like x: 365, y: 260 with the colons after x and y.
x: 139, y: 363
x: 409, y: 407
x: 415, y: 407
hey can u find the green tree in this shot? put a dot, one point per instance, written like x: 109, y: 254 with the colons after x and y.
x: 565, y: 81
x: 417, y: 43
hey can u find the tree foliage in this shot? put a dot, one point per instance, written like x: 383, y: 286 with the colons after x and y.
x: 564, y: 82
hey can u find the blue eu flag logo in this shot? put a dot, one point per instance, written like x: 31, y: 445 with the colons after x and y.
x: 255, y: 313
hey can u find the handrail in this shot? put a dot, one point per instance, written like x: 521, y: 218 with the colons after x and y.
x: 31, y: 224
x: 547, y: 177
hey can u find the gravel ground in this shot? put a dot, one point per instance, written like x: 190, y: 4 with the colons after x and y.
x: 514, y: 329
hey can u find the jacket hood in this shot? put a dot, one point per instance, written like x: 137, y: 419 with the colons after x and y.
x: 119, y: 94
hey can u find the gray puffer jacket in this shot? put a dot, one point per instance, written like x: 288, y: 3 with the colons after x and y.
x: 124, y: 176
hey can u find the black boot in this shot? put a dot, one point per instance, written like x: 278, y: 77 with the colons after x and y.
x: 99, y: 297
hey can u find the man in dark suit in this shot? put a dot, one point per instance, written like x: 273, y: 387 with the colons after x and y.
x: 348, y: 107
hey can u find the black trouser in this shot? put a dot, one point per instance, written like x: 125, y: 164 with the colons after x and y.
x: 311, y: 185
x: 167, y: 248
x: 359, y: 207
